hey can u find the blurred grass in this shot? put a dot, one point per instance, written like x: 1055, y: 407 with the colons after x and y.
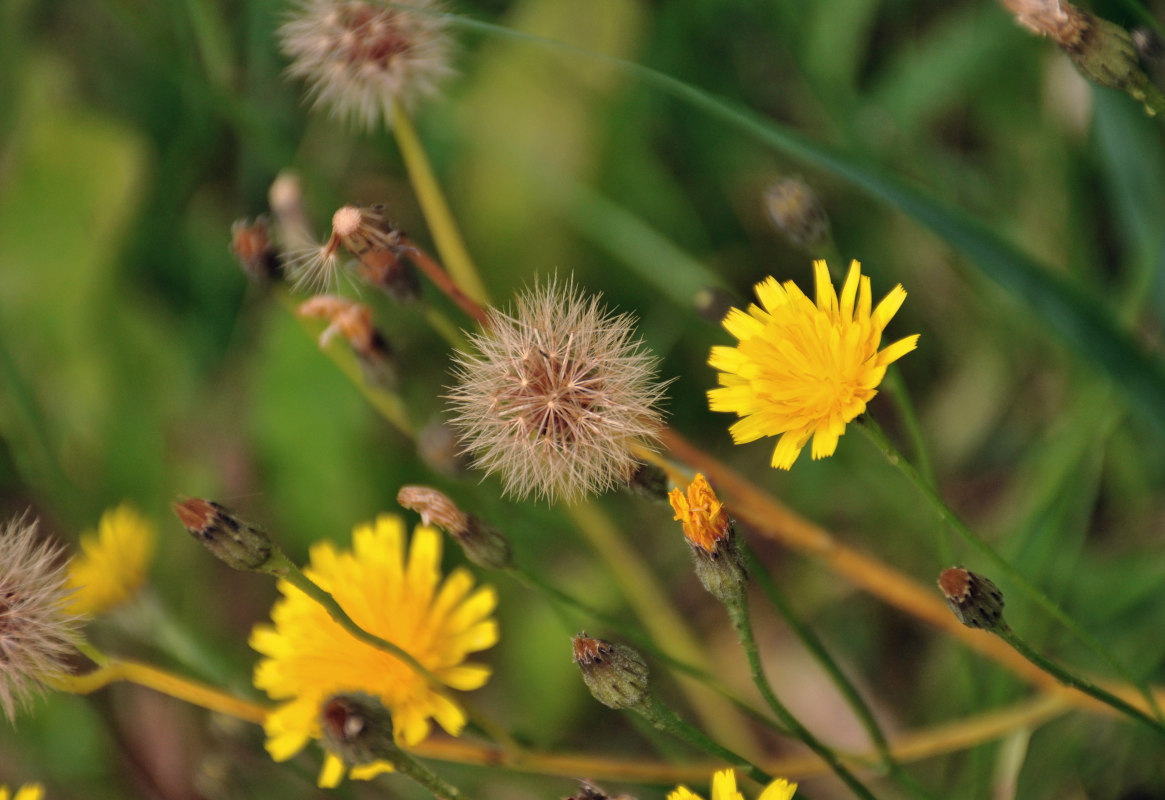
x: 136, y: 363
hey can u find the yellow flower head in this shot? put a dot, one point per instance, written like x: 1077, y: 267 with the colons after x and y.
x: 400, y: 598
x: 801, y: 369
x: 30, y: 791
x: 113, y: 561
x: 705, y: 521
x: 724, y: 788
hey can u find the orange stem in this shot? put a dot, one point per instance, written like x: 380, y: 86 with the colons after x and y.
x: 428, y: 265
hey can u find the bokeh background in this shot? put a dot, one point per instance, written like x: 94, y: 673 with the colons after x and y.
x: 138, y: 363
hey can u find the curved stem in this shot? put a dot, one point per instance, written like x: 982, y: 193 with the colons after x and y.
x: 1008, y: 635
x: 443, y: 229
x: 738, y: 613
x: 875, y: 434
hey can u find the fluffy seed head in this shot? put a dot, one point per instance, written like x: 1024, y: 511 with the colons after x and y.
x: 35, y: 628
x: 362, y: 58
x: 557, y: 396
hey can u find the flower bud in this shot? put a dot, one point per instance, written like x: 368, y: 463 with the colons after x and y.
x: 648, y: 481
x: 976, y: 601
x: 358, y: 728
x: 238, y: 544
x: 589, y: 791
x: 616, y: 675
x: 251, y: 244
x: 797, y: 213
x: 483, y: 544
x: 712, y: 537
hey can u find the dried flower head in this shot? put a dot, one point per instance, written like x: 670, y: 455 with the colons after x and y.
x: 36, y: 627
x: 251, y: 243
x: 364, y: 59
x: 353, y: 321
x: 558, y: 396
x: 803, y: 369
x: 483, y: 544
x: 113, y: 561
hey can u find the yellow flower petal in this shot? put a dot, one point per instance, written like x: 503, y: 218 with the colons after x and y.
x: 113, y: 561
x: 804, y: 369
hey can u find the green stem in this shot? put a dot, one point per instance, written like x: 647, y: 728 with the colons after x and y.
x: 844, y: 685
x: 1008, y: 635
x: 738, y: 613
x: 443, y: 229
x: 875, y: 434
x: 283, y: 567
x: 436, y: 785
x: 664, y: 719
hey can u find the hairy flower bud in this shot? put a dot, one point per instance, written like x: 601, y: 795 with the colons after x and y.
x: 238, y: 544
x: 976, y: 601
x: 616, y: 674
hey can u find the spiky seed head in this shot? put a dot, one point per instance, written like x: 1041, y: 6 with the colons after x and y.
x: 557, y: 396
x: 36, y: 630
x: 362, y: 58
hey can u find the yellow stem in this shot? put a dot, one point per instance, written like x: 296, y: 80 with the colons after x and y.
x: 720, y: 718
x: 176, y: 686
x: 443, y: 229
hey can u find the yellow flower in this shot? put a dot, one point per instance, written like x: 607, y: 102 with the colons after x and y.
x: 30, y: 791
x: 113, y: 561
x: 803, y: 370
x: 401, y: 599
x: 724, y: 788
x: 705, y: 521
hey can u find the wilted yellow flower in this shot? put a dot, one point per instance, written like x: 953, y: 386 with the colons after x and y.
x: 705, y: 521
x: 30, y: 791
x: 724, y: 788
x: 801, y: 369
x: 113, y: 560
x: 402, y: 599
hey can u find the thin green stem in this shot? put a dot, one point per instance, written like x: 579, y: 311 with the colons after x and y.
x: 442, y: 227
x: 738, y: 613
x: 879, y: 439
x: 664, y: 719
x: 844, y: 685
x: 1005, y: 632
x: 436, y: 785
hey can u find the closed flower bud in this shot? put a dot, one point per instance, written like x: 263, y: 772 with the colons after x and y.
x: 797, y: 213
x: 252, y: 246
x: 483, y: 544
x: 616, y: 674
x: 358, y: 729
x: 238, y: 544
x: 976, y: 601
x: 589, y: 791
x: 648, y: 481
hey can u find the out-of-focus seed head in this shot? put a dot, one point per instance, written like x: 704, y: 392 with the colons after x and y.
x: 797, y: 213
x: 377, y: 245
x: 36, y: 630
x: 361, y: 59
x: 975, y: 600
x: 616, y: 674
x: 558, y: 396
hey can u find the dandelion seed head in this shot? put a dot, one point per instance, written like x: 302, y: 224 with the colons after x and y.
x: 316, y: 268
x: 557, y: 395
x: 36, y: 629
x: 361, y: 58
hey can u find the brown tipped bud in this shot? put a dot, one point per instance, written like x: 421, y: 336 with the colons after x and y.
x: 589, y: 791
x: 976, y: 601
x: 238, y: 544
x: 616, y: 675
x: 353, y: 321
x: 797, y: 213
x: 378, y: 246
x: 648, y: 481
x: 712, y: 537
x: 483, y: 544
x: 251, y: 244
x: 358, y: 728
x: 713, y: 303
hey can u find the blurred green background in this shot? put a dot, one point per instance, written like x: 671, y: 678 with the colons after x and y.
x: 137, y: 363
